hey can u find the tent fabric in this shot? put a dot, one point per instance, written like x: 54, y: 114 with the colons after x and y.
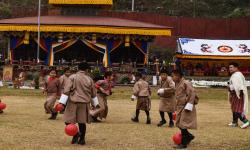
x: 143, y: 47
x: 14, y: 43
x: 58, y: 47
x: 43, y: 44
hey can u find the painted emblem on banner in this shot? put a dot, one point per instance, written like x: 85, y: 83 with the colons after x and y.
x: 185, y: 40
x: 205, y: 48
x: 225, y: 49
x: 244, y: 48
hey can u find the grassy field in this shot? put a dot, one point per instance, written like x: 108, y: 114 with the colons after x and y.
x: 24, y: 125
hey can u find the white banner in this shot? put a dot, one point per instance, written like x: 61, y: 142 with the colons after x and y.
x: 190, y: 46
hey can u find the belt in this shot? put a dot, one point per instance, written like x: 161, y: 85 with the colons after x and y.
x: 142, y: 96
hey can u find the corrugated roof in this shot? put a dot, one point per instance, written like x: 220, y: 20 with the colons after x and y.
x: 84, y: 24
x: 75, y: 20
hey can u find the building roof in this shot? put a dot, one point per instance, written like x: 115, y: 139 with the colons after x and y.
x: 82, y: 2
x: 84, y: 24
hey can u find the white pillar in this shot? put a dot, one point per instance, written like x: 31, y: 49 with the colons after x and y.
x: 133, y: 5
x: 39, y: 34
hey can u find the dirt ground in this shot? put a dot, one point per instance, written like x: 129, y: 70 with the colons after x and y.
x: 24, y: 125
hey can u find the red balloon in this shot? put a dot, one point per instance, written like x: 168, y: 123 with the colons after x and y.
x: 71, y: 130
x: 174, y: 116
x: 177, y: 138
x: 59, y: 107
x: 2, y: 106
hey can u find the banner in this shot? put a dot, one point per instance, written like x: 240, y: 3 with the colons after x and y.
x: 188, y: 46
x: 7, y: 73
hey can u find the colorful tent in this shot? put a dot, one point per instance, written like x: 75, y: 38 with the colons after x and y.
x: 101, y: 34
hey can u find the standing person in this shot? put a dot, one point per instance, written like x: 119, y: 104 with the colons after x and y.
x: 63, y: 78
x: 52, y: 91
x: 21, y: 78
x: 35, y: 78
x: 103, y: 91
x: 238, y: 96
x: 186, y: 100
x: 1, y: 111
x: 142, y: 92
x: 78, y: 91
x: 167, y: 98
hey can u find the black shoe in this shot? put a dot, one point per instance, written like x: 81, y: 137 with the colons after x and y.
x: 148, y: 121
x: 161, y: 123
x: 171, y: 124
x: 82, y: 140
x: 180, y: 146
x: 75, y: 139
x: 95, y: 120
x: 53, y: 116
x: 135, y: 119
x: 190, y: 138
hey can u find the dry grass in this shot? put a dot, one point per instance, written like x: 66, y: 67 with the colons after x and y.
x: 25, y: 126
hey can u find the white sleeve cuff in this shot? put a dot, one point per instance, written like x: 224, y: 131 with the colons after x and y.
x: 95, y: 101
x: 161, y: 91
x: 133, y: 97
x: 63, y: 99
x: 231, y: 87
x: 189, y: 106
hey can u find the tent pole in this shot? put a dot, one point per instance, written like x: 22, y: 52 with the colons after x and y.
x: 8, y: 52
x: 39, y: 34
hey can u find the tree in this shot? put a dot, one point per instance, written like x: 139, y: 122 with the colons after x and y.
x: 189, y: 8
x: 5, y: 11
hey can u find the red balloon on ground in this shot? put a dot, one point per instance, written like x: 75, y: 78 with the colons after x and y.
x: 177, y: 138
x: 71, y: 130
x: 59, y: 107
x: 2, y: 106
x: 174, y: 116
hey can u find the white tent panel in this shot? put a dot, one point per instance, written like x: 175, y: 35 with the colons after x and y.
x: 191, y: 46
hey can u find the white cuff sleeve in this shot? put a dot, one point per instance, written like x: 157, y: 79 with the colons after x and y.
x: 231, y: 87
x: 133, y: 97
x: 63, y: 99
x: 160, y: 91
x: 189, y: 106
x: 95, y: 101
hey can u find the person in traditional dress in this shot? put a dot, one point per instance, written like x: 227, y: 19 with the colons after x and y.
x: 167, y: 97
x: 78, y: 92
x: 21, y: 78
x: 104, y: 89
x: 186, y: 99
x: 52, y: 91
x: 238, y: 96
x: 63, y: 80
x: 1, y: 111
x: 35, y: 77
x: 141, y: 92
